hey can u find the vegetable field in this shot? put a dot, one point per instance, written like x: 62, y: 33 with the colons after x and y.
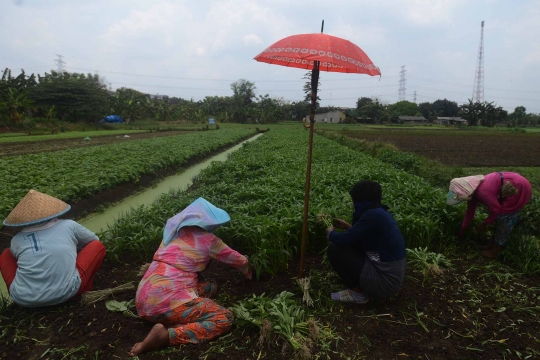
x: 74, y: 174
x: 453, y: 304
x: 262, y: 188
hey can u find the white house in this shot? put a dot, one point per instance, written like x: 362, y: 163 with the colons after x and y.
x: 412, y: 120
x: 332, y: 117
x: 450, y: 121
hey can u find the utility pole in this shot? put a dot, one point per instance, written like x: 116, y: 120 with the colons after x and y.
x: 402, y: 88
x: 478, y: 89
x: 60, y: 64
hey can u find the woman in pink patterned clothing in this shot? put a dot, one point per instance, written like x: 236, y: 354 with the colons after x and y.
x: 169, y: 293
x: 503, y: 193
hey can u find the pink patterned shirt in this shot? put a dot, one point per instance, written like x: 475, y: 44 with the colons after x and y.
x: 171, y: 279
x: 488, y: 191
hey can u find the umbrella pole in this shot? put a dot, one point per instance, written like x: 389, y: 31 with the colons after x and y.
x: 314, y: 83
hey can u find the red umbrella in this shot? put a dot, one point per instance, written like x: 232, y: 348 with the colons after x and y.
x: 316, y: 52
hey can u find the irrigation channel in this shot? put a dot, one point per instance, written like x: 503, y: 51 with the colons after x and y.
x: 100, y: 221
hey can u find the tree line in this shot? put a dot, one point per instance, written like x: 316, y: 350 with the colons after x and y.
x: 72, y: 97
x: 372, y: 110
x: 28, y: 100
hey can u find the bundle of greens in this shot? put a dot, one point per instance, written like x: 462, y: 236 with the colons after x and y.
x: 429, y: 263
x: 283, y: 317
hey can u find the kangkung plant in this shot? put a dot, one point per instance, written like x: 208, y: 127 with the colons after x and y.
x: 73, y: 174
x: 283, y: 317
x: 428, y: 263
x: 262, y: 185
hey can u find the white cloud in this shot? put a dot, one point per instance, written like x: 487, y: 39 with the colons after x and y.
x: 533, y: 57
x: 252, y: 39
x: 180, y: 39
x: 430, y: 12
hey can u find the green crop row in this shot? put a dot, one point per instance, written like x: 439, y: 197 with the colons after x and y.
x: 77, y: 173
x: 262, y: 187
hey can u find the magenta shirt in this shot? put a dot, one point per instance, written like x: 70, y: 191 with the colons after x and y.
x: 487, y: 193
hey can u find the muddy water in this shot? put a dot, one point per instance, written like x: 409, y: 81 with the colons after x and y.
x: 100, y: 221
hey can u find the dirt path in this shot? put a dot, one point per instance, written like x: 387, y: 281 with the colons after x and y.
x: 30, y: 147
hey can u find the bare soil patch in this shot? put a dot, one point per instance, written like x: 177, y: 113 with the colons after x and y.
x: 435, y: 320
x: 505, y: 149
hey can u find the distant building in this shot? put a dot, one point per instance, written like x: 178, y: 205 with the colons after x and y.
x: 456, y: 120
x: 412, y: 120
x: 332, y: 117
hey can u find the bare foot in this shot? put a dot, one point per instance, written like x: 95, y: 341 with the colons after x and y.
x: 156, y: 338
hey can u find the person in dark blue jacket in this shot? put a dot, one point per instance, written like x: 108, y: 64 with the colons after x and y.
x: 368, y: 255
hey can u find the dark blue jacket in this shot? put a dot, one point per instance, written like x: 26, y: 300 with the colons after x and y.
x: 376, y: 233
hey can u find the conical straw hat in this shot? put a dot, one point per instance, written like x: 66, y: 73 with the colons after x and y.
x: 36, y: 208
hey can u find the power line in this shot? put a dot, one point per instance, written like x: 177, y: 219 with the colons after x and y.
x: 208, y: 79
x: 463, y: 85
x: 229, y: 89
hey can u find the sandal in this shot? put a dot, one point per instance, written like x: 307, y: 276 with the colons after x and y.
x: 348, y: 296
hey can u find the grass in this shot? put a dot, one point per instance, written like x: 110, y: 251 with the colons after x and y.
x: 65, y: 135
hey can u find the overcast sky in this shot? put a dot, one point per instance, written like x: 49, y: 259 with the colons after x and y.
x: 194, y: 49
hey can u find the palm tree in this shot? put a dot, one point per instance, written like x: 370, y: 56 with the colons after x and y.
x: 16, y: 103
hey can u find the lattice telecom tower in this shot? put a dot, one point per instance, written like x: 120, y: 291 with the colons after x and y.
x: 60, y: 64
x: 402, y: 88
x: 478, y: 89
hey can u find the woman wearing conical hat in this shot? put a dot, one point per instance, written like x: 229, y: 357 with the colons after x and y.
x: 503, y: 193
x: 50, y: 260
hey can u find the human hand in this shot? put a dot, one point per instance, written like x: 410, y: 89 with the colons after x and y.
x: 341, y: 224
x: 328, y: 231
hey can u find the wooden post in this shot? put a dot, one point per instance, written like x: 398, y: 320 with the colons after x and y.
x: 314, y: 83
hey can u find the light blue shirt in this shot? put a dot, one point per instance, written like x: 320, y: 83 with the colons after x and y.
x: 46, y: 262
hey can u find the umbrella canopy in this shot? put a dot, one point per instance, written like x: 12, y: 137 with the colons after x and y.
x: 334, y: 54
x: 316, y: 52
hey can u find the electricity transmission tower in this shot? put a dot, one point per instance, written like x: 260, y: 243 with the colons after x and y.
x: 402, y: 88
x: 478, y: 89
x: 415, y: 96
x: 60, y: 64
